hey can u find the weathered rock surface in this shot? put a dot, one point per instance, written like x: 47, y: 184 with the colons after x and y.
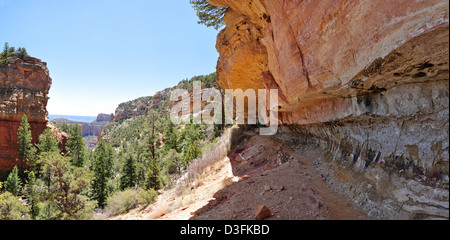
x: 61, y: 136
x: 96, y: 127
x: 24, y: 88
x: 102, y: 117
x: 261, y: 212
x: 141, y: 106
x: 366, y: 80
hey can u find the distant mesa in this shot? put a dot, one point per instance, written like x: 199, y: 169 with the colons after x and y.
x: 90, y: 130
x: 105, y: 117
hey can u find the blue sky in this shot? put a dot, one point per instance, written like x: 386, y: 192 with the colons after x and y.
x: 101, y: 53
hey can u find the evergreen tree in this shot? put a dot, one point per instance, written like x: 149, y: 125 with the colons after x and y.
x: 102, y: 168
x: 22, y: 52
x: 209, y: 15
x: 171, y: 137
x: 25, y: 150
x: 5, y: 52
x: 47, y: 142
x: 8, y: 52
x: 192, y: 153
x: 129, y: 173
x: 12, y: 50
x: 66, y: 196
x: 32, y: 189
x: 76, y: 146
x: 152, y: 180
x: 13, y: 183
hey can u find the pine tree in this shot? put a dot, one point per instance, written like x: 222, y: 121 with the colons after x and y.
x: 13, y: 183
x: 5, y: 52
x: 129, y: 173
x: 24, y: 151
x: 66, y: 195
x: 47, y: 142
x: 209, y: 15
x: 152, y: 179
x: 76, y: 147
x: 32, y: 195
x: 171, y: 137
x: 12, y: 50
x: 22, y: 52
x: 102, y: 168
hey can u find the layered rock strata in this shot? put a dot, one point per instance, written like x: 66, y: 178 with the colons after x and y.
x: 366, y: 80
x: 24, y: 88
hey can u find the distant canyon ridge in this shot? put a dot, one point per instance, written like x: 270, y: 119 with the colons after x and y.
x: 88, y: 128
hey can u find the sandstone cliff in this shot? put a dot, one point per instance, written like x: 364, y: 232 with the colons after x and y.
x: 141, y: 106
x: 366, y: 80
x: 24, y: 88
x: 104, y: 117
x: 96, y: 127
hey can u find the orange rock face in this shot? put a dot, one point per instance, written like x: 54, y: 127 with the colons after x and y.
x: 342, y: 60
x: 315, y: 49
x: 367, y: 81
x: 25, y: 84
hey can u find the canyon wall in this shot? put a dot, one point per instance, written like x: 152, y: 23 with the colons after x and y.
x: 141, y: 105
x: 365, y: 80
x: 96, y: 127
x: 24, y: 88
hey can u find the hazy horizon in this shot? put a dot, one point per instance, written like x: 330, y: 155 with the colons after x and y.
x: 83, y: 119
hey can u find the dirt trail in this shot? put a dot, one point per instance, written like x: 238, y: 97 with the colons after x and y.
x: 261, y: 172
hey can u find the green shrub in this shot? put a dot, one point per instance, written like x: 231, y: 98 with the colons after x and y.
x: 122, y: 202
x: 11, y: 208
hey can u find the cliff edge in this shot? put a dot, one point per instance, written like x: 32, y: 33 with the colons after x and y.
x: 24, y: 88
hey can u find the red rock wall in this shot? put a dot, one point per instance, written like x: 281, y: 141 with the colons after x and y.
x: 8, y: 141
x: 24, y: 88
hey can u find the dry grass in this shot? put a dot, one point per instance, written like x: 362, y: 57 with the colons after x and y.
x: 199, y: 166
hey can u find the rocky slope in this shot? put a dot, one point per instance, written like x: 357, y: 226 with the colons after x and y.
x: 25, y: 84
x: 141, y: 106
x: 161, y: 100
x: 366, y: 80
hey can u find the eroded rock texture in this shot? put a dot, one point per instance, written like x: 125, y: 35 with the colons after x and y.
x: 24, y: 88
x: 140, y: 106
x: 366, y: 80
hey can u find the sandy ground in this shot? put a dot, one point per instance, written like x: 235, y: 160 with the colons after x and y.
x: 261, y: 172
